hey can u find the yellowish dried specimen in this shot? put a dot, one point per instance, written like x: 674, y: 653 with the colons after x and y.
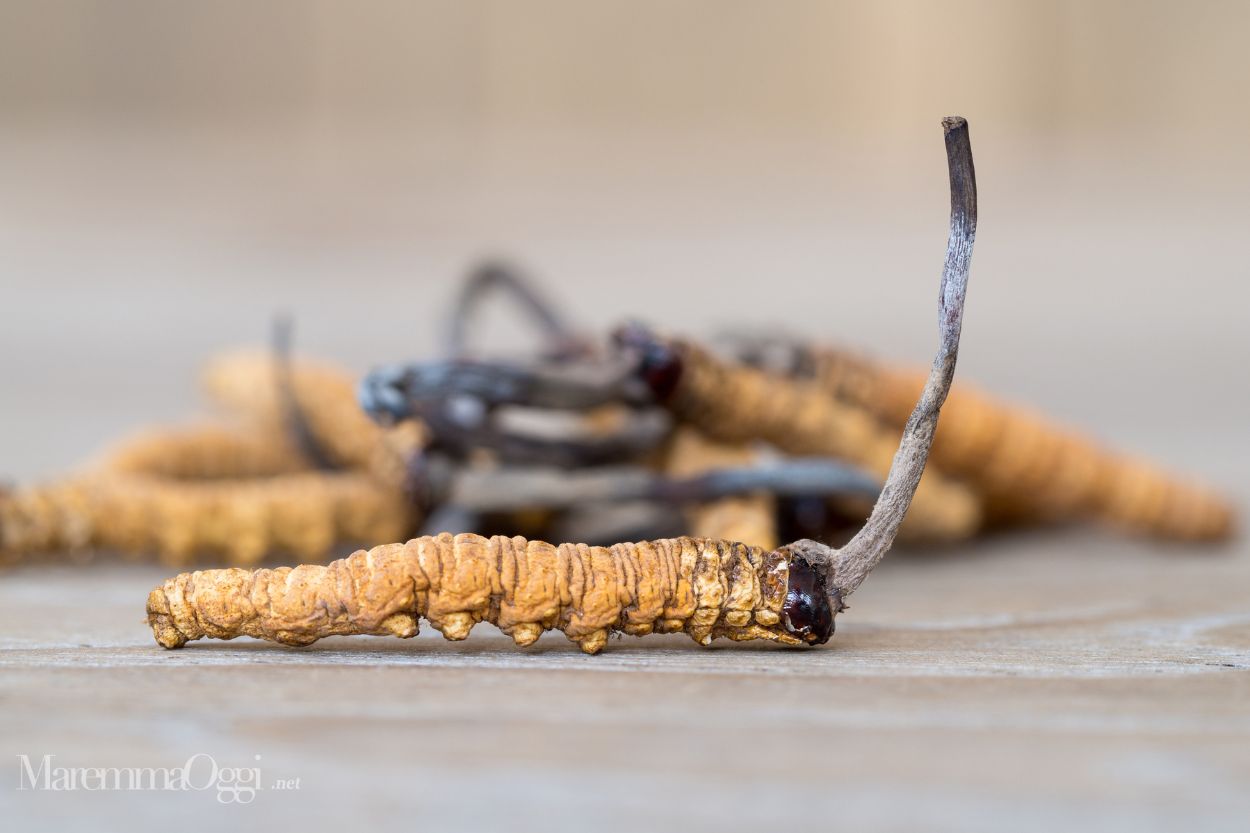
x: 1027, y: 466
x: 247, y: 384
x: 53, y: 518
x: 751, y: 519
x: 306, y: 514
x: 736, y: 404
x: 701, y: 587
x: 204, y: 452
x: 202, y: 492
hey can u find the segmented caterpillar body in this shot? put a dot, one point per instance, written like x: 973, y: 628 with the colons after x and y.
x: 735, y: 404
x: 705, y: 588
x: 245, y: 383
x: 202, y: 492
x: 45, y: 519
x: 748, y: 518
x: 203, y: 452
x: 1024, y: 464
x: 243, y: 521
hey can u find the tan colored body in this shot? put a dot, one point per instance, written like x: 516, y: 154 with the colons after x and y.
x: 736, y: 404
x: 239, y: 493
x: 1026, y: 466
x: 203, y: 452
x: 203, y: 492
x: 702, y: 587
x: 243, y: 521
x: 751, y: 519
x: 246, y: 384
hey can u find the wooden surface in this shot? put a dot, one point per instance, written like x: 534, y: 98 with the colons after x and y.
x: 1051, y: 682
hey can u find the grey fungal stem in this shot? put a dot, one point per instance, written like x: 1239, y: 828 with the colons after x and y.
x: 855, y: 560
x: 850, y: 565
x: 498, y: 276
x: 292, y: 410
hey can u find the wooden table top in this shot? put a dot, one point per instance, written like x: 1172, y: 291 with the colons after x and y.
x: 1059, y: 679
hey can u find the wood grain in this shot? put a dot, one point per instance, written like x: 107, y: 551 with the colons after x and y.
x: 1064, y: 680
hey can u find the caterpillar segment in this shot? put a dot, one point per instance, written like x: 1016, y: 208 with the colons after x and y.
x: 42, y: 520
x: 705, y: 588
x: 203, y: 452
x: 243, y: 521
x: 262, y: 501
x: 734, y: 403
x: 247, y: 384
x: 751, y: 519
x: 306, y: 515
x: 1026, y: 466
x: 202, y: 492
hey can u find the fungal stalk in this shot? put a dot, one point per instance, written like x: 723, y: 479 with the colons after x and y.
x: 562, y: 341
x: 852, y: 563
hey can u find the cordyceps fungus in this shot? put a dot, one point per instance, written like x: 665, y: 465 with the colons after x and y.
x: 1025, y: 467
x: 704, y: 587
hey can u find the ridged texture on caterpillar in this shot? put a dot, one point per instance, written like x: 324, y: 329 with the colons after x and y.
x: 704, y: 588
x: 244, y: 521
x: 247, y: 384
x: 751, y: 519
x: 1026, y: 465
x: 202, y: 492
x: 54, y: 518
x: 736, y: 404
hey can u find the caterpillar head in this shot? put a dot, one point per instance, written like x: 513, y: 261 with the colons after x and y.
x: 808, y: 610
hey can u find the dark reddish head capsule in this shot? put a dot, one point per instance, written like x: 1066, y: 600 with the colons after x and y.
x: 807, y: 612
x: 659, y: 364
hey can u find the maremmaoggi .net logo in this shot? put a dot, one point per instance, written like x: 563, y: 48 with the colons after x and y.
x: 199, y: 773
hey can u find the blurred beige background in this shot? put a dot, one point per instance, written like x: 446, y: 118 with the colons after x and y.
x: 174, y: 173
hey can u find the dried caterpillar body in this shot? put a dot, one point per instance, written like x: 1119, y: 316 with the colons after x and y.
x: 53, y: 518
x: 735, y: 404
x: 701, y: 587
x: 258, y: 503
x: 245, y: 521
x: 306, y: 514
x: 92, y: 509
x: 1024, y: 470
x: 206, y: 452
x: 751, y: 519
x: 245, y: 383
x: 200, y: 492
x: 1025, y: 465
